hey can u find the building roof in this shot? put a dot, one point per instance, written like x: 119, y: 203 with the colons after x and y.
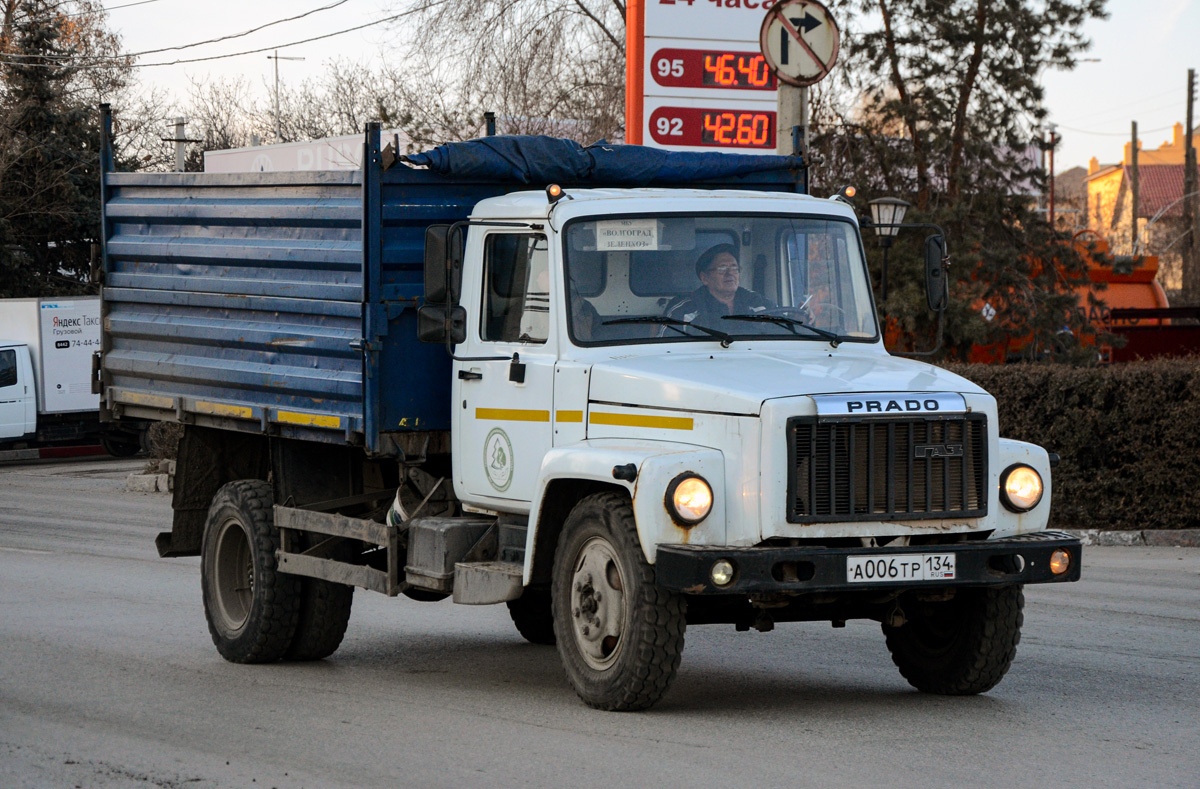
x: 1160, y: 185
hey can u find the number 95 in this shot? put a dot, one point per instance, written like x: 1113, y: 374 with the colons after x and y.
x: 669, y: 68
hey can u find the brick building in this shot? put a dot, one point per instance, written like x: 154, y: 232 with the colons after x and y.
x: 1160, y: 207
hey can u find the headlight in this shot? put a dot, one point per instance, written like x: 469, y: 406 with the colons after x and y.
x: 689, y: 499
x: 1020, y: 488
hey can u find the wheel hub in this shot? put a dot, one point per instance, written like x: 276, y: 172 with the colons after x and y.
x: 598, y: 603
x: 234, y: 577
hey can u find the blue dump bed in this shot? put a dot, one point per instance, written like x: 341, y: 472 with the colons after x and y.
x: 285, y: 303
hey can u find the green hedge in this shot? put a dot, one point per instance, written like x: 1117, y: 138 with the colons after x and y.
x: 1128, y: 436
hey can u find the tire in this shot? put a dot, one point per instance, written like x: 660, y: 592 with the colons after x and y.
x: 251, y: 607
x: 960, y: 647
x: 626, y: 662
x: 324, y: 615
x: 533, y: 616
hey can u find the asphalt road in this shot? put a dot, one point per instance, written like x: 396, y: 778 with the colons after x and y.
x: 108, y: 678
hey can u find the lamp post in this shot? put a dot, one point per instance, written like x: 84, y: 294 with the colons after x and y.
x: 887, y: 213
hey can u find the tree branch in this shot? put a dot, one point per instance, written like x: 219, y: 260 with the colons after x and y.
x: 958, y: 133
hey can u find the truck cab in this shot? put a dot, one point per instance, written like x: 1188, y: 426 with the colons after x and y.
x: 18, y: 396
x: 789, y: 407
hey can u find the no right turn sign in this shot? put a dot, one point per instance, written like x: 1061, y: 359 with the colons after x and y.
x: 800, y: 40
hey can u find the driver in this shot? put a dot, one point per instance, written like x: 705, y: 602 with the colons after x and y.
x: 719, y: 293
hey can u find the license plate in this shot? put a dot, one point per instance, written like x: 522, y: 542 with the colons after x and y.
x: 905, y: 567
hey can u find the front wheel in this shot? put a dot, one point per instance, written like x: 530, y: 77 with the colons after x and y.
x: 620, y: 636
x: 962, y: 646
x: 532, y: 614
x: 251, y: 607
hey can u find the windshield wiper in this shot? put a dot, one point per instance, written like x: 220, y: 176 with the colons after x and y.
x: 726, y: 339
x: 780, y: 320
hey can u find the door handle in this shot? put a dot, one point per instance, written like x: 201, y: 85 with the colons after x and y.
x: 469, y: 375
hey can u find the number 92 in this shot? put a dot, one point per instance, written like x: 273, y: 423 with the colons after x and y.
x: 669, y: 127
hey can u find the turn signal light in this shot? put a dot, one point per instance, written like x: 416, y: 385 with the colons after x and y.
x: 1060, y: 562
x: 554, y: 193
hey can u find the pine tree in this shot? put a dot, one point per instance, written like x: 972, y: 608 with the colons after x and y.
x: 945, y: 112
x: 49, y: 176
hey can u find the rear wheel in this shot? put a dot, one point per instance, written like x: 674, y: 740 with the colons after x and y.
x: 962, y: 646
x: 620, y: 636
x: 324, y: 615
x: 252, y: 608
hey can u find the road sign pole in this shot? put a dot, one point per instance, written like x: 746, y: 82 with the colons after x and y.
x: 790, y: 113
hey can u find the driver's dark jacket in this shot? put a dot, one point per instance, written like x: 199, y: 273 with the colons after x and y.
x: 702, y: 308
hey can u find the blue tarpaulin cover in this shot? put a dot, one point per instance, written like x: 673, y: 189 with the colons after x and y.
x: 546, y: 160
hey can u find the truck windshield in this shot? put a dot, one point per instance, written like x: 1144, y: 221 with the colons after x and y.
x: 673, y: 278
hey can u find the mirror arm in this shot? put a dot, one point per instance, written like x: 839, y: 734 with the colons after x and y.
x: 941, y: 332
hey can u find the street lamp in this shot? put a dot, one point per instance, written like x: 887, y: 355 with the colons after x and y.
x: 887, y: 213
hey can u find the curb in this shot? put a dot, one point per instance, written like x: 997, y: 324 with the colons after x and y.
x: 1155, y: 538
x: 162, y: 482
x: 49, y: 453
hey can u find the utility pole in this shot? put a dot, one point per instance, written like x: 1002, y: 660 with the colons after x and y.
x: 180, y: 143
x: 1190, y: 251
x: 276, y: 57
x: 1053, y: 142
x: 1133, y: 184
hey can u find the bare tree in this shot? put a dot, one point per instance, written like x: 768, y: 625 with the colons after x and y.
x: 541, y: 65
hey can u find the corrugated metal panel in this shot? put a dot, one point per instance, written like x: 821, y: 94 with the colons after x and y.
x: 243, y: 289
x: 238, y: 296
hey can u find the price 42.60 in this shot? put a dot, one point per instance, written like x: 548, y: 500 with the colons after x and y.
x: 751, y: 129
x: 717, y: 128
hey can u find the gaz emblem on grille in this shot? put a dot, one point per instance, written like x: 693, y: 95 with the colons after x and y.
x: 937, y: 450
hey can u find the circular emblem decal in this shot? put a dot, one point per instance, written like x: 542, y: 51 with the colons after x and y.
x: 498, y: 459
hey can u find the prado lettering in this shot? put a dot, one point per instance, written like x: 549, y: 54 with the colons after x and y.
x: 880, y: 406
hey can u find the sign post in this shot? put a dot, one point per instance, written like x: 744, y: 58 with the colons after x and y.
x: 799, y: 40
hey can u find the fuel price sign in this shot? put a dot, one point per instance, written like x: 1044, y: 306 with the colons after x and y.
x: 711, y: 68
x: 696, y: 77
x: 713, y: 128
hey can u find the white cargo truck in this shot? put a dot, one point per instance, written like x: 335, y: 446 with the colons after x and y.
x: 621, y: 411
x: 47, y: 347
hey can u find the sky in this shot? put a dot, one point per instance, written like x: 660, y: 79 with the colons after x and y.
x: 1145, y: 48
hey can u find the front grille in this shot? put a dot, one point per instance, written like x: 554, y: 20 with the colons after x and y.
x: 883, y: 469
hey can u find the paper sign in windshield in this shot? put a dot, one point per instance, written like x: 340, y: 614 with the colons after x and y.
x: 627, y: 235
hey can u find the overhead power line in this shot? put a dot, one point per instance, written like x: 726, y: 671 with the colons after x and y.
x: 107, y: 62
x: 238, y: 35
x: 1112, y: 134
x: 68, y: 58
x: 114, y: 8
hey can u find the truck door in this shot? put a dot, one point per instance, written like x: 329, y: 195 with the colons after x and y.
x: 16, y: 393
x: 501, y: 416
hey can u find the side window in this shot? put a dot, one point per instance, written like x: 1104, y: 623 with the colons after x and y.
x: 516, y: 298
x: 8, y: 368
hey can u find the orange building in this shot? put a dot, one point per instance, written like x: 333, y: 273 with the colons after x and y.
x: 1160, y: 204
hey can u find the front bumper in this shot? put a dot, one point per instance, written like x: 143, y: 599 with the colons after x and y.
x: 1024, y: 559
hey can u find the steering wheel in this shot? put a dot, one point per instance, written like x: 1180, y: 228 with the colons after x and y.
x: 822, y: 311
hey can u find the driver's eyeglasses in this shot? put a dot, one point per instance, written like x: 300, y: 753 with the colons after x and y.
x: 725, y: 269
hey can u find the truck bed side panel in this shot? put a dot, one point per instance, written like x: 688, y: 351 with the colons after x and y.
x: 237, y: 297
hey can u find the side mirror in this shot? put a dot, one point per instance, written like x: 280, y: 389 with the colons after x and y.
x: 936, y: 292
x: 443, y: 264
x: 438, y: 323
